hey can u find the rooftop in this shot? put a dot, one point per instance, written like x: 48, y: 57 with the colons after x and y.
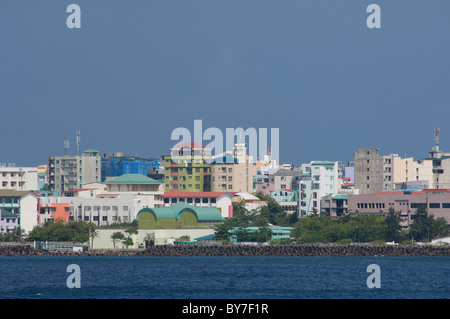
x: 174, y: 212
x: 13, y: 193
x: 133, y: 179
x: 190, y: 145
x: 194, y: 194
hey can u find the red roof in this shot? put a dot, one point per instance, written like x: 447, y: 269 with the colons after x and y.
x: 194, y: 194
x: 190, y: 145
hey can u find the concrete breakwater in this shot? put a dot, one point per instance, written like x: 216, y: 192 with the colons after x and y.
x: 244, y: 250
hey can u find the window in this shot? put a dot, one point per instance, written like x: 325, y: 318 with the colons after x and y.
x: 230, y: 178
x: 230, y: 186
x: 435, y: 205
x: 445, y: 205
x: 417, y: 205
x: 205, y: 200
x: 197, y: 186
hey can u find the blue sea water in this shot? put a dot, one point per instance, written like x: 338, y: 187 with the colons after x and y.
x: 45, y: 277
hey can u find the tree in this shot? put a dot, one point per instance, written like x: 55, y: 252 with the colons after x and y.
x: 425, y: 227
x: 393, y: 228
x: 149, y: 239
x: 421, y: 226
x: 93, y: 233
x: 129, y: 241
x: 439, y: 228
x: 117, y: 236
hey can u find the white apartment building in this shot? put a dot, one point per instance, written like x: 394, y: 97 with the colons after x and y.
x: 18, y: 178
x: 318, y: 179
x: 23, y: 205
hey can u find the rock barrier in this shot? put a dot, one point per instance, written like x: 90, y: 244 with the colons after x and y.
x: 244, y: 250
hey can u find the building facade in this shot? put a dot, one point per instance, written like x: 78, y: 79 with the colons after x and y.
x: 187, y: 169
x: 233, y: 173
x: 115, y: 165
x: 318, y: 179
x: 220, y: 200
x: 436, y: 201
x: 19, y: 178
x: 22, y: 205
x: 71, y: 172
x: 286, y: 198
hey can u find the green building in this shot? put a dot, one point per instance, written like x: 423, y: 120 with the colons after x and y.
x: 187, y: 169
x: 277, y: 232
x: 179, y: 215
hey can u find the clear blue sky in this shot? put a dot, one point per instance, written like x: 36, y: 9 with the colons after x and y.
x: 136, y: 70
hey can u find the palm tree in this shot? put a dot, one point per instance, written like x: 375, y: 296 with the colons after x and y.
x: 93, y: 233
x: 149, y: 239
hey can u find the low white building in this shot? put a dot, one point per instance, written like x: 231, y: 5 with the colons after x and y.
x: 23, y: 204
x: 125, y: 196
x: 18, y: 178
x: 251, y: 202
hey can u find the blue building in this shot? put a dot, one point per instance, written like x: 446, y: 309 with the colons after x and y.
x: 114, y: 166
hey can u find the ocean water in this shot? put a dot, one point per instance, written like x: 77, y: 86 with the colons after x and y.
x: 45, y: 277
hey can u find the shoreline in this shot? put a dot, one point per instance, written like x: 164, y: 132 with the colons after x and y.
x: 243, y: 250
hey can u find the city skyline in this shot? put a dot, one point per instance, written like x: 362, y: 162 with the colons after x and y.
x: 136, y: 71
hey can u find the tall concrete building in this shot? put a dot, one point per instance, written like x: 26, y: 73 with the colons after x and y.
x: 376, y: 173
x: 373, y: 172
x: 233, y: 173
x: 71, y: 172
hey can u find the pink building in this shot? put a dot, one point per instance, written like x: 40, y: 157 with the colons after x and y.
x: 436, y: 201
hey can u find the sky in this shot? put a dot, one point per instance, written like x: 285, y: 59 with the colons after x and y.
x: 137, y: 70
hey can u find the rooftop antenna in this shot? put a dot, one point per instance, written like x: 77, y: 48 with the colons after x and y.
x: 78, y: 142
x: 66, y: 145
x: 436, y: 138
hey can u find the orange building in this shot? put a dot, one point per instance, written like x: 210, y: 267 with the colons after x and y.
x: 53, y: 212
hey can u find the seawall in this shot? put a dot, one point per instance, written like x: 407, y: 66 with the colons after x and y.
x: 243, y: 250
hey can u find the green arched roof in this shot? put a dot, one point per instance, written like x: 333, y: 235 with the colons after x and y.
x: 174, y: 212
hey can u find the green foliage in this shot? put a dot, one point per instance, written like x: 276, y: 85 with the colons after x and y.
x: 393, y: 228
x: 425, y: 227
x: 116, y: 237
x: 184, y: 238
x: 72, y: 231
x: 128, y: 242
x: 263, y: 234
x: 316, y: 229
